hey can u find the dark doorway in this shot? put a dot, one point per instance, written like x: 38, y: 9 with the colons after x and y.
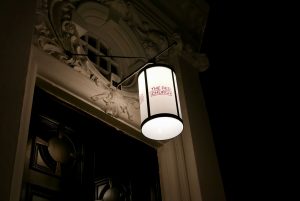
x: 73, y: 156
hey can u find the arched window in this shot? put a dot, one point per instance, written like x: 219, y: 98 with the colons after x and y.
x: 97, y: 52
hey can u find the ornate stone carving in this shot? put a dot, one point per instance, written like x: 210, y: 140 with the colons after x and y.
x: 117, y: 103
x: 197, y: 59
x: 190, y: 17
x: 56, y: 34
x: 152, y: 39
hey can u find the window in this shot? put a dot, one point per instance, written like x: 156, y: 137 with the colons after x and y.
x: 94, y: 47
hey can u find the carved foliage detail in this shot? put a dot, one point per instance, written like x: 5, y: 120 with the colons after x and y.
x: 57, y: 35
x: 152, y: 39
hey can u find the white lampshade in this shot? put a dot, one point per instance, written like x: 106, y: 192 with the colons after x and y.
x: 161, y: 117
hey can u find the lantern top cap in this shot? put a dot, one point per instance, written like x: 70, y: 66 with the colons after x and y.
x: 151, y: 65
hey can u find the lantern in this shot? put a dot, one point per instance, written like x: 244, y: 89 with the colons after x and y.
x: 160, y: 111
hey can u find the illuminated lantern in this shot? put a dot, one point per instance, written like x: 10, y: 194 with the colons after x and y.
x: 161, y: 117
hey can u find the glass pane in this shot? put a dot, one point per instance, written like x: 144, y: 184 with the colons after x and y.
x: 161, y: 90
x: 143, y: 97
x: 114, y: 69
x: 92, y: 56
x: 103, y: 63
x: 83, y: 37
x: 92, y: 42
x: 103, y: 49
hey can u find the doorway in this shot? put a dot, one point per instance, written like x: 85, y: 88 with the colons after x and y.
x: 73, y: 156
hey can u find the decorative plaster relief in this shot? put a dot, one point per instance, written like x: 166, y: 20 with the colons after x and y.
x: 190, y: 17
x: 153, y: 41
x: 57, y: 35
x: 196, y: 59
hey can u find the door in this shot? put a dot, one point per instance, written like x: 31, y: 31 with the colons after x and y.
x: 73, y: 156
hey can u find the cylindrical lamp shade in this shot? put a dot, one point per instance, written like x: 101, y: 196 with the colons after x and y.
x: 161, y: 117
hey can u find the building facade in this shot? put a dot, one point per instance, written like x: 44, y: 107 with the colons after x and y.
x: 39, y: 37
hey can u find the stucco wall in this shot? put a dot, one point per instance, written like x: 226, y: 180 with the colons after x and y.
x: 202, y: 141
x: 16, y: 21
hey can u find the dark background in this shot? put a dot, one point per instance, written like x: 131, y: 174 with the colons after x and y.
x: 237, y: 89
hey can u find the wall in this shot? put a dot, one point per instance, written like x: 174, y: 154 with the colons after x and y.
x: 201, y: 137
x: 188, y: 163
x: 16, y: 31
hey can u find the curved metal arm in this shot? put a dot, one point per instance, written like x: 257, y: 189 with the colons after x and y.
x: 152, y: 60
x: 98, y: 55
